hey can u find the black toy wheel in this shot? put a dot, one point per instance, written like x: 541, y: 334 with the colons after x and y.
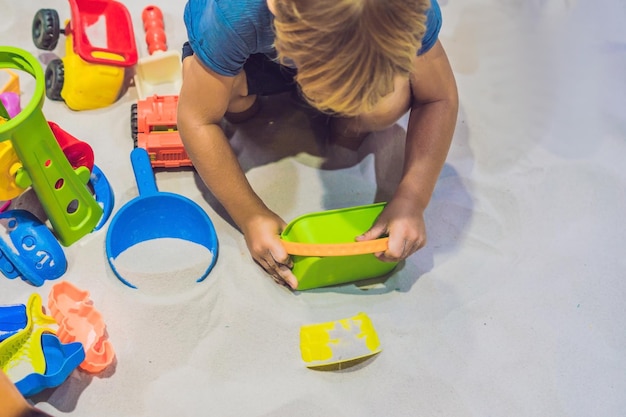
x: 55, y: 76
x: 46, y: 29
x: 133, y: 123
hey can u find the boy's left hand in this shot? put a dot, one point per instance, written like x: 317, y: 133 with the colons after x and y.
x: 404, y: 223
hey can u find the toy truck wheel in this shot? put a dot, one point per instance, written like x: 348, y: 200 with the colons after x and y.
x: 46, y: 29
x: 55, y: 76
x: 133, y: 123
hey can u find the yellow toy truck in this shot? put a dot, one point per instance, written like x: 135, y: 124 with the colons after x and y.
x: 99, y: 49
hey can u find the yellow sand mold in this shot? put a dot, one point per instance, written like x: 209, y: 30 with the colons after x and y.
x: 340, y: 341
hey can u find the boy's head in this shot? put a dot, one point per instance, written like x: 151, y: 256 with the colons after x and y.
x: 348, y: 52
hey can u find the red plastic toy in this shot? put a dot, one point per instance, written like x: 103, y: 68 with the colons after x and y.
x: 118, y: 40
x: 99, y: 49
x: 153, y: 25
x: 77, y: 152
x: 153, y: 127
x: 157, y: 79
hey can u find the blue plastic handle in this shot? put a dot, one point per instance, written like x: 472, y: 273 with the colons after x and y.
x: 104, y: 194
x: 144, y: 176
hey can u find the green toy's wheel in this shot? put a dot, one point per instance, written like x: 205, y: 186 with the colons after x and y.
x: 133, y: 123
x: 46, y: 29
x: 55, y: 76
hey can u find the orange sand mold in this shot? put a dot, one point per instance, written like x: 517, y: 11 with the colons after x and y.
x: 79, y: 321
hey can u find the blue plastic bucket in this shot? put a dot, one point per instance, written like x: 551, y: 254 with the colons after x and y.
x: 155, y: 214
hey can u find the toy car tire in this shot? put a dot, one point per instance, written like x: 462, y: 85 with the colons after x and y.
x: 55, y: 77
x: 134, y: 127
x: 46, y: 29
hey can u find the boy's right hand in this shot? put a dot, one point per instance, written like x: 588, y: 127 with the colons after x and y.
x: 216, y: 163
x: 262, y: 235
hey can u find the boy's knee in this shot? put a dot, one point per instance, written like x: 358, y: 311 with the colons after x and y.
x: 243, y: 110
x: 375, y: 123
x: 346, y: 132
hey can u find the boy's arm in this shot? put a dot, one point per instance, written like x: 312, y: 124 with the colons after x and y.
x: 430, y: 129
x: 203, y: 101
x: 12, y: 403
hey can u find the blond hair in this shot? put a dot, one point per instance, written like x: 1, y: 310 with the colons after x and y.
x: 348, y: 52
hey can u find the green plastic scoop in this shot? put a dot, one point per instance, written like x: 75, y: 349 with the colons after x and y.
x: 324, y: 251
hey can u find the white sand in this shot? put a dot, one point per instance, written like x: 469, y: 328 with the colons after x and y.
x: 163, y: 266
x: 514, y: 308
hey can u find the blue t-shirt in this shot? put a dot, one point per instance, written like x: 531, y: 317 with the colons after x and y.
x: 224, y: 33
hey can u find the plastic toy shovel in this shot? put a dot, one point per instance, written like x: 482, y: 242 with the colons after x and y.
x: 161, y: 72
x: 155, y: 214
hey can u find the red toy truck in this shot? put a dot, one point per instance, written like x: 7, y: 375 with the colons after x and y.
x: 153, y: 128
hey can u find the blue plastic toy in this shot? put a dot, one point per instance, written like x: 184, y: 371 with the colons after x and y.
x: 155, y: 214
x: 12, y: 319
x: 29, y: 249
x: 61, y: 360
x: 103, y: 193
x: 27, y: 341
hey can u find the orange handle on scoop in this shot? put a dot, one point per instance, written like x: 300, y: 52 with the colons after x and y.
x: 336, y: 249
